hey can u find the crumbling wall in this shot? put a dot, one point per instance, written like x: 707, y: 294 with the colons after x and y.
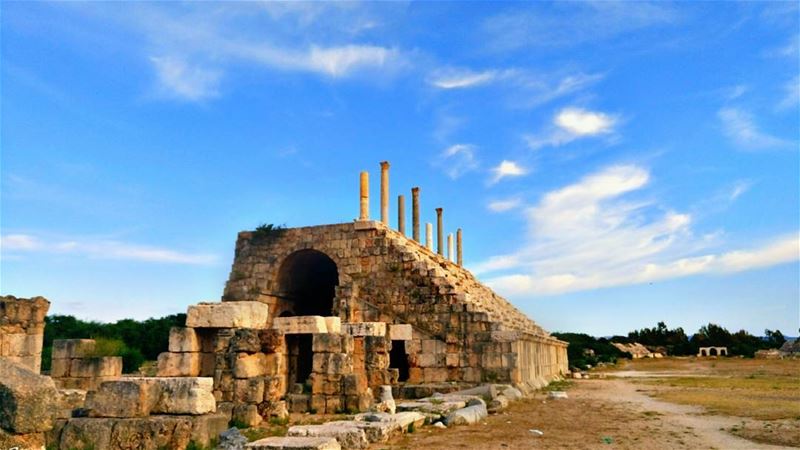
x: 74, y: 366
x: 385, y: 277
x: 22, y: 330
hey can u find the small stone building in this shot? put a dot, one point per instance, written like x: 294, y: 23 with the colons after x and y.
x: 319, y: 317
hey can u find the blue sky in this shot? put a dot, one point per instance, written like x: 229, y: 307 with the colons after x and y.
x: 611, y: 164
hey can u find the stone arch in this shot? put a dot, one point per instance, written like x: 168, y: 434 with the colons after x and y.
x: 723, y: 351
x: 703, y: 352
x: 712, y: 351
x: 307, y: 281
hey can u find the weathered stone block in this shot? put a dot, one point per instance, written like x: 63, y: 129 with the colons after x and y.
x: 249, y: 390
x: 241, y: 314
x: 179, y: 364
x: 295, y: 443
x: 27, y: 399
x: 246, y: 340
x: 333, y: 324
x: 365, y: 328
x: 332, y: 363
x: 87, y: 434
x: 298, y: 403
x: 185, y: 395
x: 120, y: 398
x: 183, y: 340
x: 59, y: 368
x: 300, y: 325
x: 73, y: 348
x: 248, y: 366
x: 22, y: 441
x: 68, y: 400
x: 400, y: 332
x: 105, y: 366
x: 247, y: 415
x: 272, y: 341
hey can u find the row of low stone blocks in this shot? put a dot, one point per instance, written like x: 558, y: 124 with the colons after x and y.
x: 74, y: 366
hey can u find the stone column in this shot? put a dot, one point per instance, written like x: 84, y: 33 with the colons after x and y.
x: 450, y: 247
x: 401, y: 214
x: 439, y: 232
x: 429, y: 236
x: 459, y: 249
x: 364, y: 215
x: 385, y: 192
x: 415, y: 212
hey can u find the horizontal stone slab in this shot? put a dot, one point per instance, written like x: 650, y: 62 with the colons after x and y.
x: 295, y: 443
x: 106, y: 366
x: 183, y: 340
x: 365, y: 328
x: 400, y: 332
x: 228, y: 315
x: 73, y: 348
x: 306, y: 324
x: 142, y: 396
x: 179, y: 364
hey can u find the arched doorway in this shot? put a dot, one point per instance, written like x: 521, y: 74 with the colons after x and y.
x: 307, y: 283
x: 712, y: 351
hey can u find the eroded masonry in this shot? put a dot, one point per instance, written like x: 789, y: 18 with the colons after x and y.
x: 320, y: 317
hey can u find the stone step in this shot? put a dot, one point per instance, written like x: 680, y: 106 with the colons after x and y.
x: 295, y: 443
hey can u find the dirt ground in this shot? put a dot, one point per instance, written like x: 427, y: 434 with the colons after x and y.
x: 625, y: 410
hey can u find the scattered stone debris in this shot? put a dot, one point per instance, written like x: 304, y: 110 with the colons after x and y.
x: 231, y: 439
x: 637, y: 350
x: 295, y: 443
x: 557, y: 395
x: 537, y: 432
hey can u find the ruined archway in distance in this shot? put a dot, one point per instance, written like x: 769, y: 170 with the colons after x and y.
x: 307, y: 281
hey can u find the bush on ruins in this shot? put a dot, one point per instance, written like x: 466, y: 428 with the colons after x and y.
x: 135, y: 341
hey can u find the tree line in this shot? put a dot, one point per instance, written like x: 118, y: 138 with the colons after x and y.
x: 588, y: 350
x: 136, y: 341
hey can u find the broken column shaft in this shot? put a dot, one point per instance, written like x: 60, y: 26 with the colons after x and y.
x: 439, y: 232
x: 385, y: 192
x: 364, y: 214
x: 415, y: 212
x: 401, y: 214
x: 459, y: 249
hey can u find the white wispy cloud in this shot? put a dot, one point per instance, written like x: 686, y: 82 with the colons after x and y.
x: 574, y: 23
x: 183, y: 81
x: 572, y: 123
x: 740, y: 127
x: 504, y: 205
x: 457, y: 160
x: 100, y: 249
x: 791, y: 91
x: 506, y: 169
x: 461, y: 78
x: 591, y: 235
x: 739, y: 188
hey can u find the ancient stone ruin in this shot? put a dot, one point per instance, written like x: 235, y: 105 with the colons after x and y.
x: 321, y: 319
x: 22, y: 330
x: 712, y: 351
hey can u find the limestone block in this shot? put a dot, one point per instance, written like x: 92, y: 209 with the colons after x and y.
x: 332, y: 363
x: 27, y: 399
x: 59, y: 368
x: 400, y: 332
x: 349, y: 435
x: 185, y: 395
x: 248, y: 366
x: 298, y: 403
x: 21, y: 441
x: 106, y: 366
x: 365, y: 328
x: 241, y: 314
x: 207, y: 364
x: 333, y: 324
x: 275, y: 364
x: 13, y: 344
x: 68, y: 400
x: 272, y: 341
x: 86, y: 433
x: 300, y: 325
x: 120, y: 398
x: 73, y: 348
x: 467, y: 416
x: 247, y: 415
x: 246, y: 340
x: 294, y: 443
x: 183, y: 340
x: 249, y: 390
x: 179, y: 364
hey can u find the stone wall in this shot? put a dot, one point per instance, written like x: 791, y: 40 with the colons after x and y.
x: 74, y: 366
x: 460, y: 327
x: 22, y: 330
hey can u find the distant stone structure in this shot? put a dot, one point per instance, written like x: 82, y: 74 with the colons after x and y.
x: 712, y: 351
x: 22, y: 330
x: 637, y: 350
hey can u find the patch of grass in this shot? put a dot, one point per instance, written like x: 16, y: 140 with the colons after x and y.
x: 561, y: 385
x: 267, y: 232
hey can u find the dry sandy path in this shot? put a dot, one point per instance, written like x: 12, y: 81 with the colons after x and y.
x: 709, y: 429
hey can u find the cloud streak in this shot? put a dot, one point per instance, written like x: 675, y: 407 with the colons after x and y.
x: 591, y: 235
x: 507, y: 169
x: 457, y: 160
x: 100, y: 249
x: 573, y: 123
x: 740, y: 127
